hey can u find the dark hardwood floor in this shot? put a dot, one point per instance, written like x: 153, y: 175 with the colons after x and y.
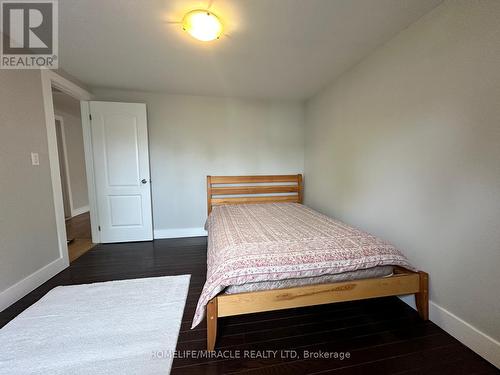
x: 382, y: 336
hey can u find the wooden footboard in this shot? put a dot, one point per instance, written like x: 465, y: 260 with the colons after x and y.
x: 401, y: 283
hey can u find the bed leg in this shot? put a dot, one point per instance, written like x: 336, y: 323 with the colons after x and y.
x: 422, y: 297
x: 211, y: 323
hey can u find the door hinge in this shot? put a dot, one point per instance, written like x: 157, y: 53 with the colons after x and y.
x: 99, y: 228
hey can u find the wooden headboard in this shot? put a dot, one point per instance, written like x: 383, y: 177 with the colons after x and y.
x: 253, y: 189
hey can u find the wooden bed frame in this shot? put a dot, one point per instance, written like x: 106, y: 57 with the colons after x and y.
x: 223, y: 190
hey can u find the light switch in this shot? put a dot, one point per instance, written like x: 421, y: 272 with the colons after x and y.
x: 35, y: 160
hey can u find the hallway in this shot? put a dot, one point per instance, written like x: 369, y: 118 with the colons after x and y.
x: 79, y: 236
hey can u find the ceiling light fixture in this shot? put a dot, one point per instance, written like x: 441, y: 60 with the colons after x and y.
x: 202, y: 25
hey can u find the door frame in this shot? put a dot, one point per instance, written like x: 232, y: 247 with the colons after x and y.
x: 89, y: 169
x: 65, y: 162
x: 51, y: 79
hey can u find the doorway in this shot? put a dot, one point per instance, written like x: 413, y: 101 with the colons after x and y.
x: 72, y: 169
x: 50, y: 80
x: 126, y: 212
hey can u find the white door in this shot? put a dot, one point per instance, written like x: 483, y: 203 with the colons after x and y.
x: 121, y: 167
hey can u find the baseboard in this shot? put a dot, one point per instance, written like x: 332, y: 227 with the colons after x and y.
x: 179, y: 233
x: 79, y: 211
x: 484, y: 345
x: 31, y: 282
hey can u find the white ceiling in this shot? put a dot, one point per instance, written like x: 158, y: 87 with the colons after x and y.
x: 287, y: 49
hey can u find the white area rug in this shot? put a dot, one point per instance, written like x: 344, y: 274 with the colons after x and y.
x: 115, y: 327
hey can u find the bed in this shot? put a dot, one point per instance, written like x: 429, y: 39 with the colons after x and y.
x: 267, y: 251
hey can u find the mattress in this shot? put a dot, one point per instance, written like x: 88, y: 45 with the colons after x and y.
x: 282, y: 243
x: 380, y: 271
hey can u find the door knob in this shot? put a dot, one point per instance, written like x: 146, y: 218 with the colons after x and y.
x: 144, y: 181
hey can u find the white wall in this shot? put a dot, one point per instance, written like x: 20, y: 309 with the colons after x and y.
x: 69, y: 109
x: 28, y: 239
x: 194, y: 136
x: 407, y: 145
